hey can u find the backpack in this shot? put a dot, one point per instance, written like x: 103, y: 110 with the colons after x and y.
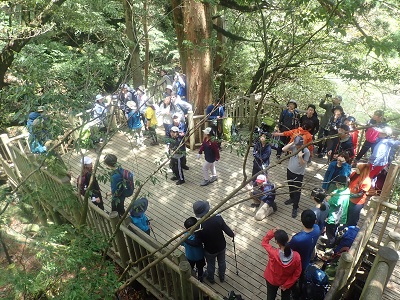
x: 129, y: 185
x: 315, y: 283
x: 233, y: 296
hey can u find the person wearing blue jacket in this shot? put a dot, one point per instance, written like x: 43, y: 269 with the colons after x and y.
x: 261, y: 153
x: 134, y: 123
x: 138, y: 216
x: 194, y: 250
x: 117, y: 184
x: 215, y: 114
x: 338, y: 167
x: 304, y: 243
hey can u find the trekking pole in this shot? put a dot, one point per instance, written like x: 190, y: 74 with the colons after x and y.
x: 234, y: 251
x: 152, y: 230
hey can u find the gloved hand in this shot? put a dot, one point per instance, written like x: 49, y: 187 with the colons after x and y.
x: 198, y: 155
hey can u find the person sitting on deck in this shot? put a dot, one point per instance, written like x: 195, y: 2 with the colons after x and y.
x: 263, y: 192
x: 261, y: 153
x: 138, y: 216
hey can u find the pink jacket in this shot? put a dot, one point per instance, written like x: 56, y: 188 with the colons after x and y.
x: 276, y: 273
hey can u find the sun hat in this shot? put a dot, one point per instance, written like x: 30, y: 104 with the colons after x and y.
x: 207, y: 130
x: 86, y: 160
x: 261, y: 178
x: 200, y: 208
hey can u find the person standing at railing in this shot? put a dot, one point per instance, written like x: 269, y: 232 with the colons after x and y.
x: 138, y: 216
x: 212, y: 236
x: 83, y: 180
x: 38, y: 133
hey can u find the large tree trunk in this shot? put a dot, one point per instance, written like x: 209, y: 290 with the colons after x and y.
x: 134, y: 66
x: 147, y: 44
x: 177, y: 9
x: 199, y: 70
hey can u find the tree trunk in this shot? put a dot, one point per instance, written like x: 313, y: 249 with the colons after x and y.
x: 147, y: 44
x: 199, y: 69
x: 134, y: 66
x: 177, y: 8
x: 219, y: 59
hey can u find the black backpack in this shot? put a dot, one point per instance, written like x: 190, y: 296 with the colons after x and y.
x: 233, y: 296
x: 316, y: 283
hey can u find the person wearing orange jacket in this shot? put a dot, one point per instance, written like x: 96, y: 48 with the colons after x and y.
x: 284, y: 265
x: 304, y: 131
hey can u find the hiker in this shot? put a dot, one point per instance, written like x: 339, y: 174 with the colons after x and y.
x: 360, y: 183
x: 211, y: 155
x: 295, y: 171
x: 100, y: 113
x: 152, y: 122
x: 38, y: 134
x: 304, y: 243
x: 83, y: 180
x: 176, y: 145
x: 263, y: 193
x: 284, y: 265
x: 134, y: 123
x: 321, y: 208
x: 194, y: 250
x: 344, y: 144
x: 311, y: 117
x: 138, y: 216
x: 261, y: 154
x: 212, y: 236
x: 351, y: 122
x: 215, y: 113
x: 288, y: 120
x: 119, y: 186
x: 338, y: 167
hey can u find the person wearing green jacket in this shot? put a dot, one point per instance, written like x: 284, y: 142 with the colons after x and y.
x: 338, y: 206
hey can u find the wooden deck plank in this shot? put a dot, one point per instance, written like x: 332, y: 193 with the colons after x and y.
x: 170, y: 205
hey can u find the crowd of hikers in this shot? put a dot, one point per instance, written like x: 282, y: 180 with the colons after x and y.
x: 336, y: 204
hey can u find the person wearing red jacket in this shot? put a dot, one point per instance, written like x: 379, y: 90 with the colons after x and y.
x: 284, y: 265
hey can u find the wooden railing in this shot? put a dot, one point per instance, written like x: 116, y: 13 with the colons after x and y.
x: 54, y: 198
x: 351, y: 260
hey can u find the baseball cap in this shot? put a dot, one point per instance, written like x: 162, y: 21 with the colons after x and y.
x: 261, y: 178
x: 174, y: 128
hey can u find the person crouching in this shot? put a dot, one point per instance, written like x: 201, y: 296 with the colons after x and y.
x: 263, y: 192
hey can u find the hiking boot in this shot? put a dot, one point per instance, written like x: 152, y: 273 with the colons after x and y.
x: 174, y: 178
x: 179, y: 182
x: 185, y: 167
x: 288, y: 202
x: 274, y: 207
x: 213, y: 178
x: 211, y: 280
x: 154, y: 143
x: 221, y: 279
x: 205, y: 182
x: 255, y: 205
x: 278, y: 156
x: 294, y: 213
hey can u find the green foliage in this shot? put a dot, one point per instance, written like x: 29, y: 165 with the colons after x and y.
x: 69, y: 265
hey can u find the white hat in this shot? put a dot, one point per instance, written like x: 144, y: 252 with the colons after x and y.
x: 169, y: 87
x: 131, y: 104
x: 261, y: 178
x: 99, y: 96
x: 174, y: 128
x: 87, y: 160
x: 207, y: 130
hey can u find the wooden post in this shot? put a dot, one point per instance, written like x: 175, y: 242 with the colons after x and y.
x: 119, y: 239
x: 345, y: 263
x: 380, y: 273
x: 192, y: 135
x: 113, y: 118
x: 4, y: 140
x: 252, y: 112
x: 185, y: 271
x: 389, y: 181
x: 393, y: 240
x: 241, y: 108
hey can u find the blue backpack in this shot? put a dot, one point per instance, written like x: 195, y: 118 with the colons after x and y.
x: 316, y: 283
x: 129, y: 185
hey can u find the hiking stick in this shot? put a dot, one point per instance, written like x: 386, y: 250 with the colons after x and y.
x: 234, y: 251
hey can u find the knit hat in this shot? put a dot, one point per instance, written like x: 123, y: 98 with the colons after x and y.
x: 110, y: 160
x: 200, y: 208
x: 139, y: 207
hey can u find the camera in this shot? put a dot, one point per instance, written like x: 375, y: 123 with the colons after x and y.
x: 328, y: 95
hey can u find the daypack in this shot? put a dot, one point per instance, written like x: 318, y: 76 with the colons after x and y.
x: 129, y: 185
x: 233, y: 296
x: 316, y: 283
